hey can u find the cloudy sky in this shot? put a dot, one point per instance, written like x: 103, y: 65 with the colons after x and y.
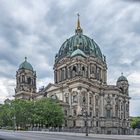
x: 37, y: 29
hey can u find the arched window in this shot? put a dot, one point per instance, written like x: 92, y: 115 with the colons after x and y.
x: 85, y: 123
x: 29, y: 80
x: 122, y: 106
x: 96, y: 102
x: 91, y: 124
x: 90, y: 114
x: 74, y: 70
x: 92, y: 69
x: 84, y: 99
x: 23, y: 78
x: 74, y: 123
x: 74, y: 112
x: 83, y: 71
x: 74, y: 98
x: 83, y: 68
x: 108, y: 113
x: 62, y: 74
x: 97, y: 113
x: 90, y: 100
x: 97, y: 123
x: 67, y: 99
x: 65, y: 112
x: 65, y: 123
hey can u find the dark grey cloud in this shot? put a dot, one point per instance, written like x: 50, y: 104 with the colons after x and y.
x: 132, y: 0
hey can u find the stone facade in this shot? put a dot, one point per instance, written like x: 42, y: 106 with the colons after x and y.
x: 80, y: 75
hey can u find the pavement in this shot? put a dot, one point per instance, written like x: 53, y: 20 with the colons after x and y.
x: 42, y: 135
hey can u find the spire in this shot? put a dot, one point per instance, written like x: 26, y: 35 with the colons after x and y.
x: 122, y: 74
x: 78, y: 28
x: 78, y: 22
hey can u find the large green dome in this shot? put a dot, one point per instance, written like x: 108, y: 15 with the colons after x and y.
x: 79, y: 41
x: 26, y: 65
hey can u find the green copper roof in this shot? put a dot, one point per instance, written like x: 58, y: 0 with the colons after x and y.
x: 26, y: 65
x: 122, y: 78
x: 84, y: 43
x: 78, y: 52
x: 79, y: 41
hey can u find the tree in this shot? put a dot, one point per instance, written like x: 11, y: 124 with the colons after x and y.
x: 43, y: 112
x: 21, y: 110
x: 5, y: 115
x: 135, y: 122
x: 48, y: 112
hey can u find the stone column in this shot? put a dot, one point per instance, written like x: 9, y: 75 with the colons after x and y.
x: 88, y: 70
x: 55, y: 77
x: 102, y: 104
x: 60, y: 73
x: 88, y: 109
x: 93, y: 104
x: 78, y: 105
x: 114, y: 109
x: 70, y: 101
x: 104, y: 76
x: 66, y: 73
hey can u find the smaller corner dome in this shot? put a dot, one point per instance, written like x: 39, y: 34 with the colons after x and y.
x: 78, y: 52
x: 26, y: 65
x: 122, y: 78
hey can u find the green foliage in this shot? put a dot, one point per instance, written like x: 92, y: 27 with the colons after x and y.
x: 44, y: 112
x: 135, y: 122
x: 5, y: 115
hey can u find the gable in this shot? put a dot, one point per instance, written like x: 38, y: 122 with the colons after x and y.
x: 50, y: 87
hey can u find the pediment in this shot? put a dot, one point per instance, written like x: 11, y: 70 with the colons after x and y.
x: 51, y: 87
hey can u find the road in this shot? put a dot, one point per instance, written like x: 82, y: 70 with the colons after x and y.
x: 10, y: 135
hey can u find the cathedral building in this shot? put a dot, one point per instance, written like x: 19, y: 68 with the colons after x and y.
x: 80, y: 84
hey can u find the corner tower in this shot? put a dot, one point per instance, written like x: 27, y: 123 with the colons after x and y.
x: 123, y: 84
x: 25, y: 81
